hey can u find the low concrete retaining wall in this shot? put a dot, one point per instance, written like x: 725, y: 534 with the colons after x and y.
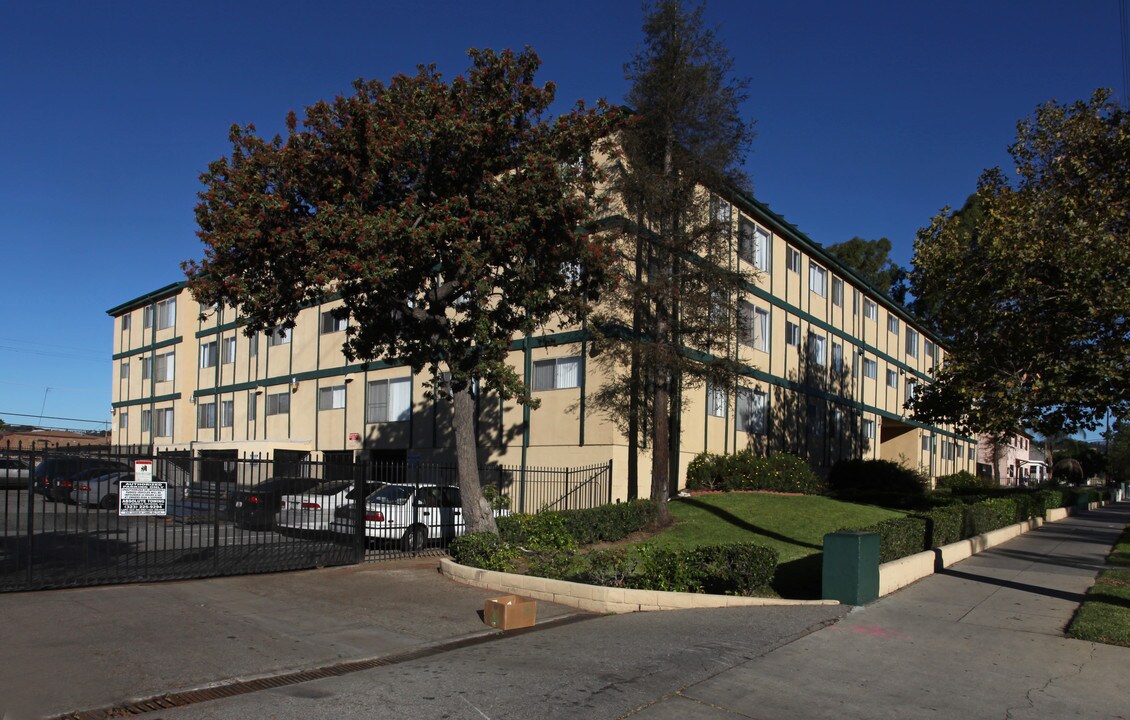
x: 900, y: 573
x: 593, y: 598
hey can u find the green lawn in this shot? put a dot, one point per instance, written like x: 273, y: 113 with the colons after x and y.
x: 1104, y: 615
x: 793, y: 525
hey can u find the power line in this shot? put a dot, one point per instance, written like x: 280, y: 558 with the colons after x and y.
x: 50, y: 417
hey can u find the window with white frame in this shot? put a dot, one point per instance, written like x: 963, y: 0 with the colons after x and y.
x: 331, y: 398
x: 166, y: 313
x: 868, y: 429
x: 755, y: 326
x: 278, y: 336
x: 752, y: 411
x: 209, y: 354
x: 817, y: 349
x: 817, y: 279
x: 792, y: 334
x: 870, y: 368
x: 892, y: 379
x: 332, y: 324
x: 715, y: 400
x: 227, y: 355
x: 123, y: 369
x: 164, y: 367
x: 753, y: 244
x: 123, y: 420
x: 206, y: 416
x: 557, y: 373
x: 721, y: 210
x: 870, y: 309
x: 792, y: 260
x: 911, y: 388
x: 147, y: 314
x: 164, y: 423
x: 227, y: 413
x: 892, y: 324
x: 146, y: 420
x: 837, y: 292
x: 388, y: 400
x: 278, y: 403
x: 912, y: 342
x: 252, y: 407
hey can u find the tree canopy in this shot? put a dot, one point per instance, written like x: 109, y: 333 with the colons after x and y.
x: 676, y: 282
x: 446, y: 216
x: 871, y: 259
x: 1029, y: 283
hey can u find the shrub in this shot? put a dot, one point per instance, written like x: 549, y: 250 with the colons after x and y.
x: 898, y: 537
x: 962, y: 479
x: 484, y: 550
x: 555, y: 563
x: 745, y: 470
x: 988, y: 514
x: 608, y: 523
x: 705, y: 472
x: 878, y: 482
x: 543, y: 531
x: 666, y: 569
x: 609, y: 568
x: 943, y: 525
x: 737, y: 569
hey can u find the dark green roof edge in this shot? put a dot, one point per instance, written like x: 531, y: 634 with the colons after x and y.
x: 147, y: 298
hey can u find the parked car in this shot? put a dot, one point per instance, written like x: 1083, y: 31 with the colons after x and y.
x: 55, y: 474
x: 257, y: 506
x: 313, y: 511
x: 100, y: 490
x: 14, y: 473
x: 415, y: 515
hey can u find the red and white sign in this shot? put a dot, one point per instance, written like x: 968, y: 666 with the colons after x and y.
x: 143, y: 470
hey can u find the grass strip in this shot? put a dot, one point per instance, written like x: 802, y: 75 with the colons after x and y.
x: 1104, y: 616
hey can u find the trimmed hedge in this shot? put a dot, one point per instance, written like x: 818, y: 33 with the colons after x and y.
x: 484, y: 550
x: 608, y: 523
x: 745, y: 470
x: 963, y: 479
x: 879, y: 482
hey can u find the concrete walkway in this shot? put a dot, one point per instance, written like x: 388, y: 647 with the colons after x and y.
x: 983, y: 639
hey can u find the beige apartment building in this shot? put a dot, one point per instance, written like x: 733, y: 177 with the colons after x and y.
x: 828, y: 363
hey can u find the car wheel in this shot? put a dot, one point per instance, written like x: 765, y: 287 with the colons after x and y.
x: 415, y: 538
x: 108, y: 502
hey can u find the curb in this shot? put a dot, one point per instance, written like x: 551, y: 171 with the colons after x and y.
x: 597, y: 599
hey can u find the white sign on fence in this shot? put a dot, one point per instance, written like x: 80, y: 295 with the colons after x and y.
x: 143, y: 470
x: 143, y: 498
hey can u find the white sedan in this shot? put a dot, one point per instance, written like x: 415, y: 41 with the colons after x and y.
x: 313, y: 510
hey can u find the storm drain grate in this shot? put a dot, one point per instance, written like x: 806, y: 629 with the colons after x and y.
x: 242, y: 687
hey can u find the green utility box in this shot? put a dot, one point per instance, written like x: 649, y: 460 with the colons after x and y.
x: 851, y: 567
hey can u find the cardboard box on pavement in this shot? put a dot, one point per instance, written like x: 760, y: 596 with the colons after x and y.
x: 510, y: 612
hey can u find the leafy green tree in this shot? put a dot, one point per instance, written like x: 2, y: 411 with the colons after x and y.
x: 444, y: 214
x: 1030, y: 289
x: 669, y: 326
x: 1118, y: 452
x: 871, y: 259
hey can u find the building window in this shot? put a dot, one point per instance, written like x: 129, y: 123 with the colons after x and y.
x: 854, y: 301
x: 166, y: 313
x: 388, y: 400
x: 206, y: 415
x: 911, y: 342
x: 892, y: 379
x: 753, y: 245
x: 123, y: 369
x: 125, y: 323
x: 278, y: 336
x: 837, y: 357
x: 927, y: 443
x: 792, y: 260
x: 870, y: 368
x: 147, y: 317
x: 817, y: 349
x: 930, y: 349
x: 228, y: 354
x: 949, y: 450
x: 752, y: 411
x: 715, y: 400
x: 227, y: 413
x: 252, y: 407
x: 972, y: 454
x: 720, y: 210
x: 331, y: 324
x: 278, y: 403
x: 892, y: 324
x: 164, y: 368
x: 164, y: 423
x: 253, y: 346
x: 870, y: 309
x: 209, y: 353
x: 814, y: 421
x: 755, y: 326
x: 911, y: 388
x: 817, y: 279
x: 869, y: 429
x: 792, y: 334
x: 331, y: 398
x: 837, y: 292
x: 123, y: 420
x: 146, y: 419
x: 557, y: 374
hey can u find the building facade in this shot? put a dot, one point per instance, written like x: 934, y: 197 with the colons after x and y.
x: 829, y: 364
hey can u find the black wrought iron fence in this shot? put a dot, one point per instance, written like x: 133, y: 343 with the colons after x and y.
x: 66, y: 513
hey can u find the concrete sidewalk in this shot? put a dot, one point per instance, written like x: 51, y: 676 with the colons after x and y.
x: 983, y: 639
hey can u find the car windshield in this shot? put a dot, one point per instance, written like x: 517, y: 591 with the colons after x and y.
x: 331, y: 488
x: 391, y: 495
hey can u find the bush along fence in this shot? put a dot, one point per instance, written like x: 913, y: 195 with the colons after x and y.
x: 745, y: 470
x: 547, y: 545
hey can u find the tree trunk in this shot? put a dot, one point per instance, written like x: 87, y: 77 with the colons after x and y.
x: 477, y: 513
x: 661, y: 447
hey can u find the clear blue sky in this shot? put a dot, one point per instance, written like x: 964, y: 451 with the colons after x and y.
x: 871, y: 116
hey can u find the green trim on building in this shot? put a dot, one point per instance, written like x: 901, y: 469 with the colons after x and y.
x: 146, y: 400
x: 147, y: 348
x: 147, y: 299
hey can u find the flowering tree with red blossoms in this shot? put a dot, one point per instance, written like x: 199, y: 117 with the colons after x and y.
x: 447, y: 216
